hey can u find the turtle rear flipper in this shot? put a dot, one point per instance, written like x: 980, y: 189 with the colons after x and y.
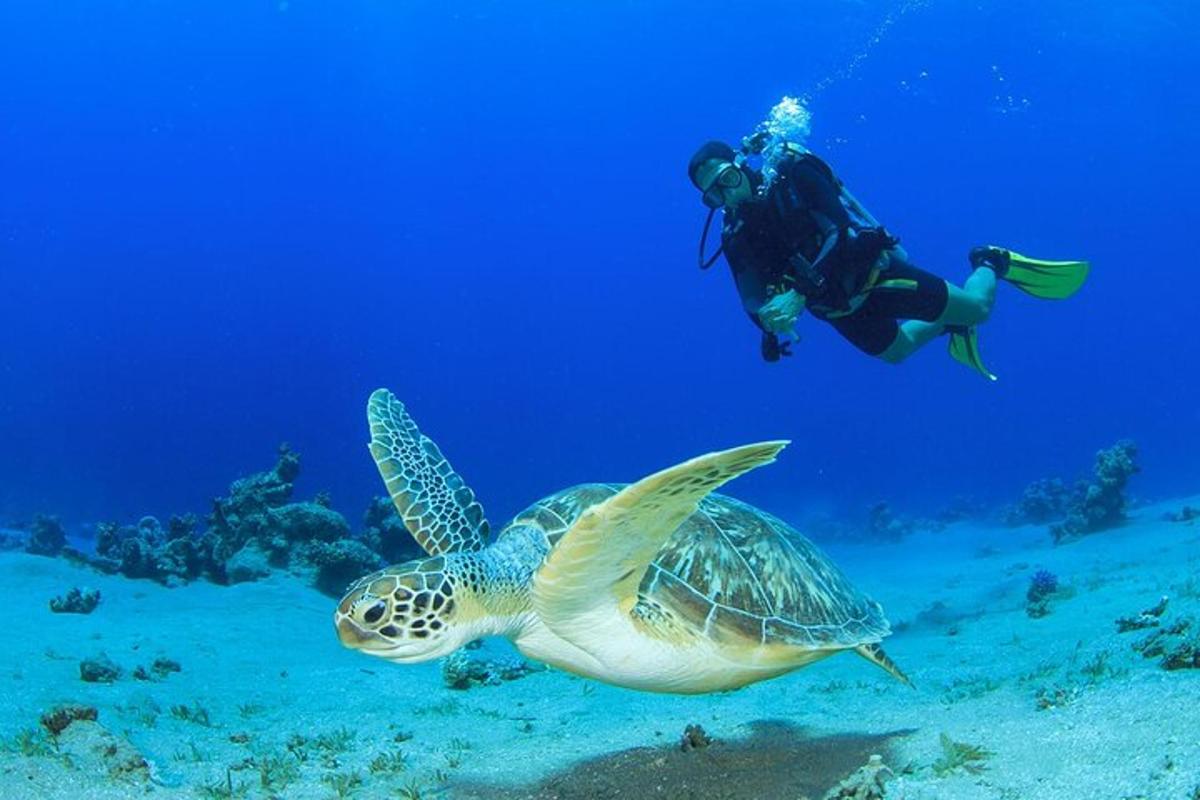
x: 437, y: 506
x: 874, y: 653
x: 601, y: 559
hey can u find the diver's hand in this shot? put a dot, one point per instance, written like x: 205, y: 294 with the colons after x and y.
x: 772, y: 348
x: 780, y: 313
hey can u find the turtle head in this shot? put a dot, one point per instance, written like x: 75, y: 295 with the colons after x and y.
x: 411, y: 612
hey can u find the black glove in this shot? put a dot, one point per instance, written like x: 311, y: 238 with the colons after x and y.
x: 773, y: 349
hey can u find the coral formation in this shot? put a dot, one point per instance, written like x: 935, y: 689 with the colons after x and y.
x: 76, y: 601
x: 883, y: 524
x: 464, y: 670
x: 1099, y: 503
x: 1186, y: 514
x: 1043, y: 501
x: 867, y: 783
x: 57, y: 720
x: 171, y: 556
x: 159, y: 670
x: 1145, y: 619
x: 99, y: 669
x: 694, y: 738
x: 384, y: 532
x: 46, y: 536
x: 253, y: 531
x: 1043, y: 585
x: 1176, y: 645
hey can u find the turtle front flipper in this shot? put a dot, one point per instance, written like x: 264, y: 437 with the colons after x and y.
x: 601, y: 559
x: 437, y: 506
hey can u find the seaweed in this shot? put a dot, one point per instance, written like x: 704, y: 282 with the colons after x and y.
x: 343, y: 784
x: 337, y: 741
x: 195, y: 714
x: 1043, y: 585
x: 389, y: 762
x: 223, y: 790
x: 275, y: 772
x: 193, y: 755
x: 960, y: 756
x: 413, y: 790
x: 248, y: 710
x: 30, y: 743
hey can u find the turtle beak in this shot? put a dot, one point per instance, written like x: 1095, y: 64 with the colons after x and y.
x: 351, y: 635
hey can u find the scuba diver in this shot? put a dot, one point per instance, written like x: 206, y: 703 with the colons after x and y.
x: 796, y: 239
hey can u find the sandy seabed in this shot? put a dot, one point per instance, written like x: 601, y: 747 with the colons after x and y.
x: 268, y: 704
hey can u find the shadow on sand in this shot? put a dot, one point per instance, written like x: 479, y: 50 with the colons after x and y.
x: 777, y: 760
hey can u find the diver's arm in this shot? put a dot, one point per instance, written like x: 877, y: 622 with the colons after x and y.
x: 751, y: 285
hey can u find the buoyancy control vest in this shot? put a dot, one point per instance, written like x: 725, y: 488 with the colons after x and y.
x: 801, y: 234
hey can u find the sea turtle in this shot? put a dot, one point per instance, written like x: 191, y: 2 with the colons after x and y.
x: 658, y: 585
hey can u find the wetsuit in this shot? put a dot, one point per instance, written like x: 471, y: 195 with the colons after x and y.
x: 806, y: 233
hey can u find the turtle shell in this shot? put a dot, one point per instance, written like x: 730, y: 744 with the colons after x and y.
x: 734, y: 573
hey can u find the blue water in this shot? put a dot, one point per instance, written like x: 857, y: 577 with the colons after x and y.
x: 223, y: 224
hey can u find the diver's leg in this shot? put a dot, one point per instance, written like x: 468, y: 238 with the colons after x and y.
x: 972, y: 304
x: 911, y: 336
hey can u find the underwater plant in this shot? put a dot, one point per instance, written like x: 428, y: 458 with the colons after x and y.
x: 275, y: 772
x: 1043, y: 585
x: 343, y: 784
x: 195, y: 714
x: 389, y: 762
x: 960, y: 756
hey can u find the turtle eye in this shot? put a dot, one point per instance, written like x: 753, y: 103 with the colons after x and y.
x: 375, y: 612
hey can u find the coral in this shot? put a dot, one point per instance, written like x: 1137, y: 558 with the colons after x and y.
x: 867, y: 782
x: 1146, y: 619
x: 1186, y: 514
x: 1043, y: 585
x: 248, y: 564
x: 1099, y: 504
x: 76, y: 601
x: 335, y: 565
x: 251, y: 532
x: 694, y: 738
x: 46, y: 536
x: 1056, y: 696
x: 384, y: 532
x: 99, y: 669
x: 57, y: 720
x: 1177, y: 645
x: 883, y: 524
x: 171, y: 556
x: 242, y: 515
x: 160, y: 669
x: 463, y: 670
x: 1043, y: 501
x: 960, y: 508
x: 304, y: 522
